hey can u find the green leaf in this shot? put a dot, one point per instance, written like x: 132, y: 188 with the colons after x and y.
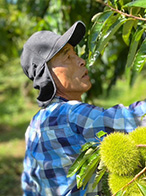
x: 80, y: 161
x: 121, y: 2
x: 105, y: 37
x: 137, y: 3
x: 127, y: 27
x: 132, y: 51
x: 135, y: 11
x: 108, y: 23
x: 139, y: 62
x: 76, y: 165
x: 98, y: 177
x: 142, y: 189
x: 100, y: 134
x: 96, y: 16
x: 93, y: 159
x: 96, y: 28
x: 89, y: 175
x: 140, y: 58
x: 108, y: 35
x: 81, y: 174
x: 133, y: 46
x: 92, y: 58
x: 101, y: 165
x: 88, y: 145
x: 91, y: 168
x: 86, y: 169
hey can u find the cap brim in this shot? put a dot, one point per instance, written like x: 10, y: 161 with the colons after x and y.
x: 75, y: 33
x: 72, y: 36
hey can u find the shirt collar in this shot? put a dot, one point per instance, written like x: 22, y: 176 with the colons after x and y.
x: 58, y: 99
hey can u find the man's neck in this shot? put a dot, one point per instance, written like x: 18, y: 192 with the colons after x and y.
x: 69, y: 96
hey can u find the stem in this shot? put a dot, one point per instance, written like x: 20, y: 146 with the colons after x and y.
x: 141, y: 145
x: 122, y: 13
x: 136, y: 176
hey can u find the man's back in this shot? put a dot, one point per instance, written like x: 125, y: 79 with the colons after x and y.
x: 53, y: 143
x: 54, y: 139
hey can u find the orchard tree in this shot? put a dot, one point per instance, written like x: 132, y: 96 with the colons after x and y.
x: 18, y: 21
x: 114, y: 43
x: 116, y: 39
x: 117, y: 43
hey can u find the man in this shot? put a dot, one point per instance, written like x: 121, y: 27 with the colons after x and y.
x: 57, y: 132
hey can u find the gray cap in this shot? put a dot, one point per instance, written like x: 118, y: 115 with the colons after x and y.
x: 38, y: 50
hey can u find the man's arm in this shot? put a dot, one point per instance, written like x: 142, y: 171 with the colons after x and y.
x: 89, y: 119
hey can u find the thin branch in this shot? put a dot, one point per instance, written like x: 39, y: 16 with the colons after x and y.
x: 122, y: 13
x: 141, y: 172
x: 141, y: 145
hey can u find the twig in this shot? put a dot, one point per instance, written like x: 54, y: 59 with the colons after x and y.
x: 141, y: 145
x: 141, y: 172
x: 122, y: 13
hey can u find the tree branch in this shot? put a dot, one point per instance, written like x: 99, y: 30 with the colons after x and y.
x: 141, y: 145
x: 122, y: 13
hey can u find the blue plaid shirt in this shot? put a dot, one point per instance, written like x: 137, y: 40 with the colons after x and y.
x: 54, y: 139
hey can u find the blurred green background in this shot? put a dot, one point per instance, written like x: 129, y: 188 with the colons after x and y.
x: 18, y: 20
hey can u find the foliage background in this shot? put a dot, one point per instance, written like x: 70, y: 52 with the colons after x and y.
x: 18, y: 20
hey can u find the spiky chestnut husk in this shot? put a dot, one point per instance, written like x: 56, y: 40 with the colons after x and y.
x: 119, y: 154
x: 116, y: 182
x: 139, y: 137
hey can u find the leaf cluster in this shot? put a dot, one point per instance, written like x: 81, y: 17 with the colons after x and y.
x: 118, y: 155
x: 87, y: 163
x: 117, y: 40
x: 19, y: 19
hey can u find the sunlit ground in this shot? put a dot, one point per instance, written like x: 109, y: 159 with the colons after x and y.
x: 12, y: 148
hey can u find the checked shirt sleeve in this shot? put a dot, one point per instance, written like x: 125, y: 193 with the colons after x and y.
x: 54, y: 139
x: 88, y: 119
